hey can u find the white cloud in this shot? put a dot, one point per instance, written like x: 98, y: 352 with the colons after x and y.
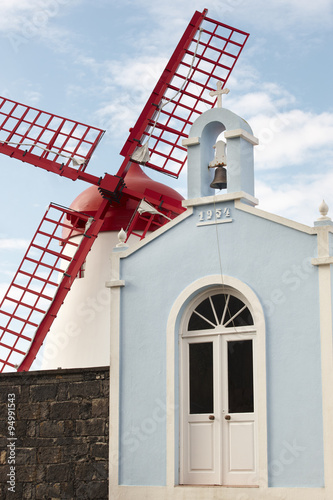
x: 116, y: 116
x: 268, y: 101
x: 126, y: 86
x: 294, y: 137
x: 298, y: 199
x: 13, y: 12
x: 13, y: 243
x: 275, y: 15
x: 288, y: 136
x: 137, y: 76
x: 22, y: 21
x: 282, y: 14
x: 24, y: 16
x: 33, y: 97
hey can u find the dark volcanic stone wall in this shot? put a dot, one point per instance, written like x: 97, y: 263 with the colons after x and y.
x: 59, y: 446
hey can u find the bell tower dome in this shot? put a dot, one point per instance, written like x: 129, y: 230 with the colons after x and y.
x: 238, y: 159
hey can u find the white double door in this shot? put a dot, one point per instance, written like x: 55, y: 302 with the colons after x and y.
x: 218, y: 427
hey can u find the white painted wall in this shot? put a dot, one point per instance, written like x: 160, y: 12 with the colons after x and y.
x: 80, y: 335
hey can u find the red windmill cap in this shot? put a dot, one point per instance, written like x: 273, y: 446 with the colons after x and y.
x: 119, y: 215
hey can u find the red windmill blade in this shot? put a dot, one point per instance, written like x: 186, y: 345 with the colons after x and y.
x: 46, y: 140
x: 206, y: 53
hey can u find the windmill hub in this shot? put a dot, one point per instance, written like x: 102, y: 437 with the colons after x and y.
x: 119, y: 215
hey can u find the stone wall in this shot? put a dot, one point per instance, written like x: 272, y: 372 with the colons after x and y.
x: 57, y: 446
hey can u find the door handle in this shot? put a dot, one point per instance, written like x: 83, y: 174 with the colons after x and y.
x: 227, y: 417
x: 211, y: 417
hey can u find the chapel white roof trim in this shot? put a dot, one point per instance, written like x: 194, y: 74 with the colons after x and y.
x: 155, y: 234
x: 278, y: 219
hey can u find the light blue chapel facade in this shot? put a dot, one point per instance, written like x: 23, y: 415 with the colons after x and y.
x: 221, y: 343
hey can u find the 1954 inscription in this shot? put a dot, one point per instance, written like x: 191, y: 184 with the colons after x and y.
x: 215, y: 216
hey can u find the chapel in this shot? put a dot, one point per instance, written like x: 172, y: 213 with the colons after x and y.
x: 218, y: 328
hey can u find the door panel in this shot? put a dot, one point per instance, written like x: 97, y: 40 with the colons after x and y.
x: 200, y: 429
x: 201, y: 439
x: 241, y: 446
x: 239, y: 429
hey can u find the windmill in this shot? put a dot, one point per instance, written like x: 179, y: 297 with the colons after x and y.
x: 205, y: 55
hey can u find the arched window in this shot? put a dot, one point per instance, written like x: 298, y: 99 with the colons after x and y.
x: 219, y: 309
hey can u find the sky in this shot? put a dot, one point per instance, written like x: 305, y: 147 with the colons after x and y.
x: 97, y: 62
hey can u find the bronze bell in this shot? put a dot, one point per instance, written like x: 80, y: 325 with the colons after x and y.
x: 220, y: 178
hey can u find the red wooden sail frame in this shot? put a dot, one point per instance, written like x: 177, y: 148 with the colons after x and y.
x: 218, y: 50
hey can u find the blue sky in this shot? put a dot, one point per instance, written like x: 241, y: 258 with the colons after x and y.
x: 97, y: 62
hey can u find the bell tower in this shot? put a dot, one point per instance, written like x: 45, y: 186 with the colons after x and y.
x: 237, y: 156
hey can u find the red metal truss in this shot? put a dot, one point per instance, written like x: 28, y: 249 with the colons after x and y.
x: 45, y: 140
x: 42, y: 282
x: 149, y: 219
x: 216, y: 54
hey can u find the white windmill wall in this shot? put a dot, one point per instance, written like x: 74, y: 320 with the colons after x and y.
x: 80, y: 335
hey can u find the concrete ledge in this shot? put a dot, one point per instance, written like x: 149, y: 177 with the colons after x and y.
x: 322, y: 261
x: 239, y: 132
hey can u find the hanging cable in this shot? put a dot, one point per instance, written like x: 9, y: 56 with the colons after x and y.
x: 218, y: 242
x: 220, y: 266
x: 76, y: 161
